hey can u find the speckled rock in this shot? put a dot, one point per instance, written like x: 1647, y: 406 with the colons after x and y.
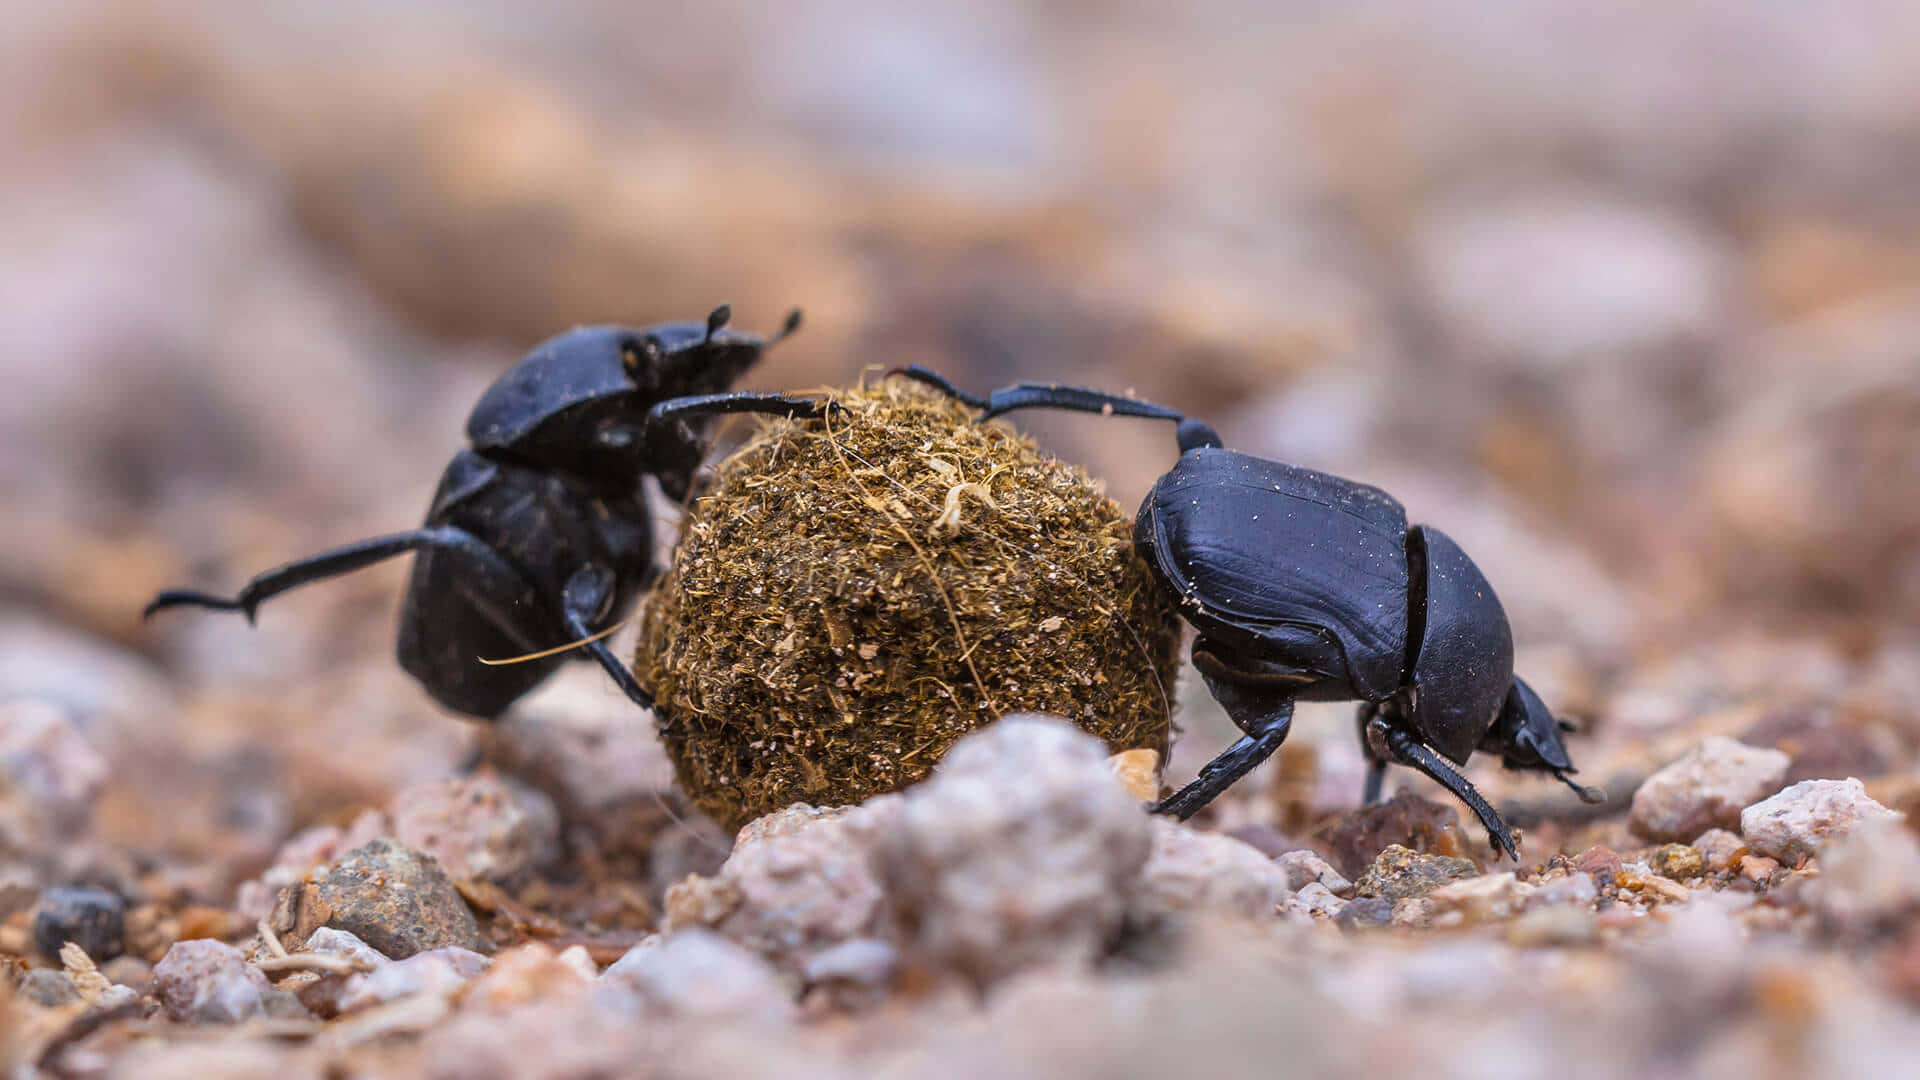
x: 1678, y: 862
x: 1792, y: 825
x: 304, y: 851
x: 697, y: 975
x: 1706, y: 788
x: 209, y: 982
x: 1400, y: 873
x: 1304, y: 866
x: 1021, y: 849
x: 392, y: 897
x: 1190, y: 870
x: 799, y: 882
x: 437, y: 971
x: 479, y: 827
x: 93, y: 919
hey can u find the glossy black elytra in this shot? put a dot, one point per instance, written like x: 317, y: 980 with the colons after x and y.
x: 539, y: 529
x: 1305, y: 586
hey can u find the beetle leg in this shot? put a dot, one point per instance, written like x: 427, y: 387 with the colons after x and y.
x: 1265, y: 730
x: 1190, y: 433
x: 738, y: 401
x: 1411, y: 752
x: 340, y: 560
x: 1376, y: 765
x: 583, y: 600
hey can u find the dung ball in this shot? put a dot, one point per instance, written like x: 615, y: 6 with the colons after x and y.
x: 853, y: 595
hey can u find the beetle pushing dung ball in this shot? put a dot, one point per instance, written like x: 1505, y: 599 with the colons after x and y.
x: 852, y: 596
x: 1305, y: 586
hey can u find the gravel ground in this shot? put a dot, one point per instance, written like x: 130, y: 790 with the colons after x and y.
x: 1627, y: 305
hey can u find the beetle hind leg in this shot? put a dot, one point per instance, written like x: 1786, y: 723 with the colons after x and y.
x: 1265, y: 731
x: 341, y: 560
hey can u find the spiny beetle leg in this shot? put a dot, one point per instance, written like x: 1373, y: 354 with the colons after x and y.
x: 1263, y: 737
x: 1413, y: 753
x: 741, y: 401
x: 331, y: 563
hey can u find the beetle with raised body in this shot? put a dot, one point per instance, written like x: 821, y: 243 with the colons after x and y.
x: 540, y: 529
x: 1306, y: 586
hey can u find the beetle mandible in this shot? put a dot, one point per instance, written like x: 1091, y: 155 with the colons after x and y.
x: 539, y: 529
x: 1305, y: 586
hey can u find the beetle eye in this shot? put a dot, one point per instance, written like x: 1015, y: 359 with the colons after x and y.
x: 639, y: 355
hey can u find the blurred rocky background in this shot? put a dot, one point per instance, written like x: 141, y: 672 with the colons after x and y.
x: 1627, y: 301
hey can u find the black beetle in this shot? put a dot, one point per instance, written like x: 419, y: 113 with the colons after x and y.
x: 1305, y: 586
x: 540, y: 529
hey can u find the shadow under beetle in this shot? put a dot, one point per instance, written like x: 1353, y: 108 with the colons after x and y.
x: 540, y: 529
x: 1305, y: 586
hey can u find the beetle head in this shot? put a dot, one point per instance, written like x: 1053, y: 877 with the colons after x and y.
x: 1526, y: 736
x: 578, y: 401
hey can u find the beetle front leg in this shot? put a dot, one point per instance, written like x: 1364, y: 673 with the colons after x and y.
x: 1376, y: 765
x: 582, y: 601
x: 1412, y: 752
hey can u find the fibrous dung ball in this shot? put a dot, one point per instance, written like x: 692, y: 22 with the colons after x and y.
x: 852, y: 595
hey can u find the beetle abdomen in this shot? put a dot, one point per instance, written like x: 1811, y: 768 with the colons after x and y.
x: 1252, y: 546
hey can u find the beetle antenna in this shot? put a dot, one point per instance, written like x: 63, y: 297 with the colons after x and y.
x: 721, y: 316
x: 786, y: 329
x: 1587, y: 794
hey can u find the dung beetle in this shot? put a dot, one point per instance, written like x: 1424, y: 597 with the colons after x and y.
x: 1306, y: 586
x: 539, y: 529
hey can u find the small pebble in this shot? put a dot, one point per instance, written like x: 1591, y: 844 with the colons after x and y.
x: 437, y: 971
x: 1575, y: 889
x: 48, y: 988
x: 93, y: 919
x: 1718, y: 847
x: 1399, y: 873
x: 1560, y: 924
x: 1600, y: 863
x: 1365, y: 913
x: 1315, y: 901
x: 1706, y: 787
x: 333, y: 942
x: 1191, y: 870
x: 1677, y: 862
x: 1481, y: 899
x: 1413, y: 913
x: 1792, y: 825
x: 392, y: 897
x: 695, y: 974
x: 1305, y: 866
x: 209, y: 982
